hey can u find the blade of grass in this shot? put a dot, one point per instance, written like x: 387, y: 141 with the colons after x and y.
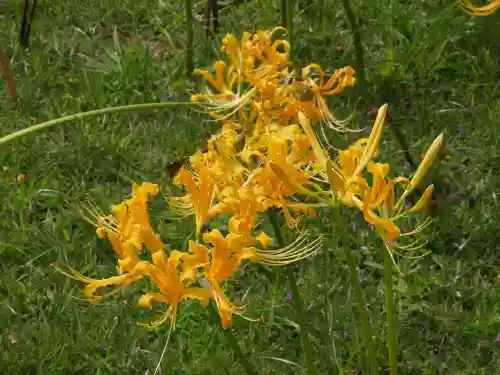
x: 297, y: 300
x: 353, y: 274
x: 233, y: 342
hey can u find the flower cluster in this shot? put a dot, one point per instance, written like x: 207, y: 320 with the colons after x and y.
x: 266, y: 155
x: 346, y: 177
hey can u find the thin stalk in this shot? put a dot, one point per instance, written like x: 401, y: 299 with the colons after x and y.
x: 366, y: 329
x: 189, y: 37
x: 358, y: 46
x: 7, y: 73
x: 284, y: 21
x: 289, y: 20
x: 232, y: 341
x: 97, y: 112
x: 403, y: 144
x: 391, y: 313
x: 297, y: 301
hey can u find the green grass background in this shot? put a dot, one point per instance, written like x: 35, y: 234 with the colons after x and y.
x: 439, y: 70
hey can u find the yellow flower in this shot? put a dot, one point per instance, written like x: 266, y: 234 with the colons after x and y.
x: 255, y: 65
x: 128, y: 229
x: 172, y: 290
x: 257, y: 57
x: 136, y: 273
x: 484, y: 10
x: 340, y: 79
x: 378, y: 203
x: 287, y: 154
x: 373, y: 198
x: 344, y: 176
x: 229, y: 95
x: 226, y: 255
x: 241, y: 55
x: 200, y: 187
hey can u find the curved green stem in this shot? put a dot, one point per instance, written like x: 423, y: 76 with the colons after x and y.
x: 366, y: 329
x: 298, y: 303
x: 97, y: 112
x: 391, y: 313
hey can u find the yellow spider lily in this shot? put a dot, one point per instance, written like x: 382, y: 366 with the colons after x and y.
x: 381, y: 195
x: 344, y: 177
x: 229, y: 95
x: 136, y: 273
x: 225, y: 256
x: 128, y: 229
x: 200, y: 187
x: 340, y: 79
x: 255, y: 57
x: 165, y: 275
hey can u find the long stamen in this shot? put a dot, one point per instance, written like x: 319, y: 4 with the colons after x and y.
x: 416, y: 256
x: 419, y: 229
x: 332, y: 122
x: 93, y: 210
x: 390, y: 251
x: 291, y: 253
x: 417, y: 244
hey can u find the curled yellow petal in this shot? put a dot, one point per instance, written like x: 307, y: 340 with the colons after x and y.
x: 426, y: 163
x: 484, y: 10
x: 264, y: 239
x: 146, y: 301
x: 320, y: 154
x: 289, y: 182
x: 423, y: 202
x: 335, y: 178
x: 373, y: 142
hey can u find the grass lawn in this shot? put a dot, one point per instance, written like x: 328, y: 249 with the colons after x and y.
x: 437, y: 67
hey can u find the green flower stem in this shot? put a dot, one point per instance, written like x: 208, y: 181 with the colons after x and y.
x: 358, y: 46
x: 233, y: 342
x: 297, y: 300
x: 391, y: 314
x: 402, y: 144
x: 189, y: 37
x: 289, y: 21
x: 353, y: 274
x: 361, y: 78
x: 284, y: 21
x: 97, y: 112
